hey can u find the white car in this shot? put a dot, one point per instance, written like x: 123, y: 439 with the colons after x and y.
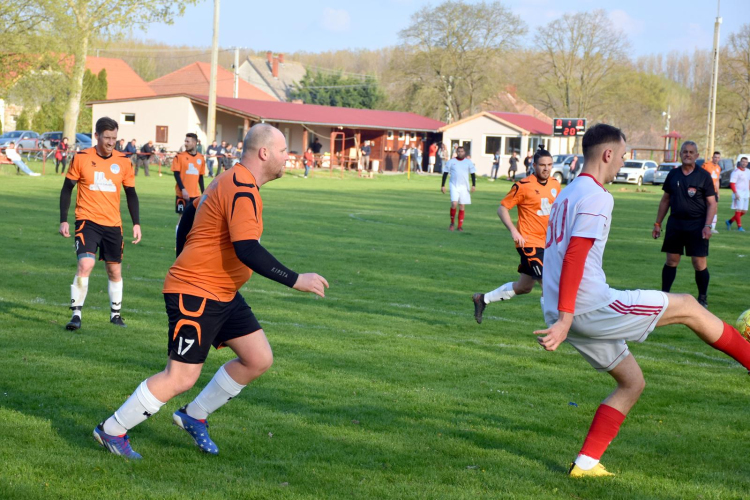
x: 664, y: 168
x: 637, y: 172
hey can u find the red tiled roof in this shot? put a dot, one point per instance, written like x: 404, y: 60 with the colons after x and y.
x: 122, y: 81
x: 195, y: 79
x: 327, y: 115
x: 534, y: 126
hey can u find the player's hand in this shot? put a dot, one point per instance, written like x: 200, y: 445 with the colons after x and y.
x: 65, y: 229
x: 185, y: 195
x: 656, y: 232
x: 518, y: 238
x: 136, y: 233
x: 311, y: 282
x: 555, y: 334
x: 473, y: 188
x: 442, y: 188
x: 707, y: 233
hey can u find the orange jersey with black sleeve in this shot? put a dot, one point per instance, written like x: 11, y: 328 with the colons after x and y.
x: 100, y: 181
x: 715, y: 171
x: 534, y: 201
x: 190, y: 167
x: 230, y: 210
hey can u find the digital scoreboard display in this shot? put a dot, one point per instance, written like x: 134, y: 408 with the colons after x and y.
x: 569, y: 126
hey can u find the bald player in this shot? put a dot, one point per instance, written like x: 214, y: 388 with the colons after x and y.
x: 203, y: 305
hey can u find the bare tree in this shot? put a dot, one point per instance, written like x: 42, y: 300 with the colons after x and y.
x: 450, y: 50
x: 735, y: 104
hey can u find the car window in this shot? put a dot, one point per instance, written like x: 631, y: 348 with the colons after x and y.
x: 633, y: 164
x: 665, y: 168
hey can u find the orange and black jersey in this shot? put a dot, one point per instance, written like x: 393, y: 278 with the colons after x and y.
x: 534, y: 201
x: 100, y: 180
x: 190, y: 167
x: 230, y: 210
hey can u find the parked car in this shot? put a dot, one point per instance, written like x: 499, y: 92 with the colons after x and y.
x: 727, y: 167
x: 83, y: 141
x: 637, y: 172
x: 50, y: 140
x: 25, y: 139
x: 565, y: 170
x: 662, y: 170
x: 558, y: 163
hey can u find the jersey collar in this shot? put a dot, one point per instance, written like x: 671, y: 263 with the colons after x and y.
x: 592, y: 178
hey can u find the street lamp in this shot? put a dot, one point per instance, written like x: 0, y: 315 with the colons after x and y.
x: 668, y: 116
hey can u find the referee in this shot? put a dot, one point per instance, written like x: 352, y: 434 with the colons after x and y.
x: 690, y: 197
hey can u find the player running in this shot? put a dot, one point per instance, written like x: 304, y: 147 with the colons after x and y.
x: 189, y: 167
x: 714, y: 170
x: 203, y: 305
x: 100, y: 173
x: 739, y: 181
x: 533, y: 196
x: 459, y: 168
x: 597, y: 320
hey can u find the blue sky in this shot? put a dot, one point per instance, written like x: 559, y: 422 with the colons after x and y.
x: 654, y: 26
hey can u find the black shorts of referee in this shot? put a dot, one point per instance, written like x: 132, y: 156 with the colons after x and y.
x: 685, y: 237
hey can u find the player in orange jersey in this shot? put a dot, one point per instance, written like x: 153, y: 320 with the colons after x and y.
x: 189, y: 167
x: 713, y: 168
x: 532, y: 196
x: 100, y: 173
x: 202, y: 300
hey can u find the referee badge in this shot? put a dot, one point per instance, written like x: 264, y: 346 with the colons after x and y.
x: 691, y: 191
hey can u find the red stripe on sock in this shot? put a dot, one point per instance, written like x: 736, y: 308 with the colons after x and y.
x: 733, y: 344
x: 603, y: 430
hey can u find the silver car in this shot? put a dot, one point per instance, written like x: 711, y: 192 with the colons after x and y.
x: 637, y: 172
x: 24, y: 139
x: 661, y: 172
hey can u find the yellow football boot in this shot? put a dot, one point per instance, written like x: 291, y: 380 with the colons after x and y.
x: 597, y: 471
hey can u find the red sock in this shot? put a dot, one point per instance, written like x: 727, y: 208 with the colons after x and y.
x: 738, y: 218
x: 461, y: 217
x: 603, y: 430
x: 453, y: 215
x: 733, y: 344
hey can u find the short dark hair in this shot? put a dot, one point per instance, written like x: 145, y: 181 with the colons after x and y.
x: 460, y: 147
x: 743, y: 158
x: 541, y: 153
x: 717, y: 153
x: 601, y: 133
x: 106, y: 123
x: 192, y: 136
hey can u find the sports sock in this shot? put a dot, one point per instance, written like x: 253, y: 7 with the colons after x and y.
x: 733, y: 344
x: 505, y: 292
x: 738, y: 218
x: 139, y: 406
x: 453, y: 215
x: 115, y: 298
x: 216, y: 394
x: 78, y: 291
x: 701, y: 279
x: 603, y: 430
x: 668, y: 274
x: 461, y: 217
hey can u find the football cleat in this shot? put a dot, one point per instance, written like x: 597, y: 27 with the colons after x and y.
x: 741, y: 229
x: 596, y: 471
x: 119, y: 445
x: 451, y: 227
x: 729, y: 225
x: 117, y: 321
x: 479, y: 305
x: 460, y: 229
x: 198, y: 430
x: 703, y: 300
x: 74, y: 323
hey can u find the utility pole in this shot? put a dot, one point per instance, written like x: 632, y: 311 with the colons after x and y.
x: 236, y: 93
x: 711, y: 126
x: 211, y: 125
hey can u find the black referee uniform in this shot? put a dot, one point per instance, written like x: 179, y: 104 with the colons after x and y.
x: 688, y: 208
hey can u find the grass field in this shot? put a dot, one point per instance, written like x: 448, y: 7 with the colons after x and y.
x: 385, y: 389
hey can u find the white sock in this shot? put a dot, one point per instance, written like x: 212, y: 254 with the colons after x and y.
x: 115, y: 298
x: 586, y: 463
x: 78, y: 291
x: 505, y: 292
x: 139, y: 406
x: 216, y: 394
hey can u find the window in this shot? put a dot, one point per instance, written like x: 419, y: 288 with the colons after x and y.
x: 128, y: 118
x: 492, y: 144
x: 390, y: 135
x: 512, y: 144
x: 460, y: 142
x: 534, y: 143
x: 162, y: 133
x: 413, y: 136
x: 401, y: 135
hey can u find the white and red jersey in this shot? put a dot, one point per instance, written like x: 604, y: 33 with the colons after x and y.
x: 583, y: 209
x: 741, y: 180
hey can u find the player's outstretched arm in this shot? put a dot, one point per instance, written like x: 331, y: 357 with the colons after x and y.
x: 313, y: 283
x: 65, y: 194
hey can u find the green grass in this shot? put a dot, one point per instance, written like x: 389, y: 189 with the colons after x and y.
x: 385, y: 389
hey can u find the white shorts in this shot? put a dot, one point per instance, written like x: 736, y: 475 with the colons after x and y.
x: 600, y: 336
x: 461, y: 195
x: 432, y: 160
x: 739, y: 202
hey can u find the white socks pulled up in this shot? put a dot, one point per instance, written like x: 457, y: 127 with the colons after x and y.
x: 115, y: 298
x: 505, y: 292
x: 216, y: 394
x: 78, y: 291
x: 139, y: 406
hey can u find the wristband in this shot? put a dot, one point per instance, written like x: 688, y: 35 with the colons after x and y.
x: 707, y: 225
x: 657, y: 224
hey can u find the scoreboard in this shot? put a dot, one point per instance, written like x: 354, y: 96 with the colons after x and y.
x: 569, y: 126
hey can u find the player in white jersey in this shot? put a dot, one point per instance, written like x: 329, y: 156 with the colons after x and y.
x: 582, y: 309
x: 740, y: 184
x: 459, y: 168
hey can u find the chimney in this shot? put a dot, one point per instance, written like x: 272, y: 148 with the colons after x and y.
x: 281, y: 58
x: 275, y: 67
x: 269, y: 54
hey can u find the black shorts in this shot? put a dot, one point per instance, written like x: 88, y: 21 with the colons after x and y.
x: 196, y: 323
x: 687, y: 239
x: 180, y: 203
x: 532, y: 261
x: 108, y: 239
